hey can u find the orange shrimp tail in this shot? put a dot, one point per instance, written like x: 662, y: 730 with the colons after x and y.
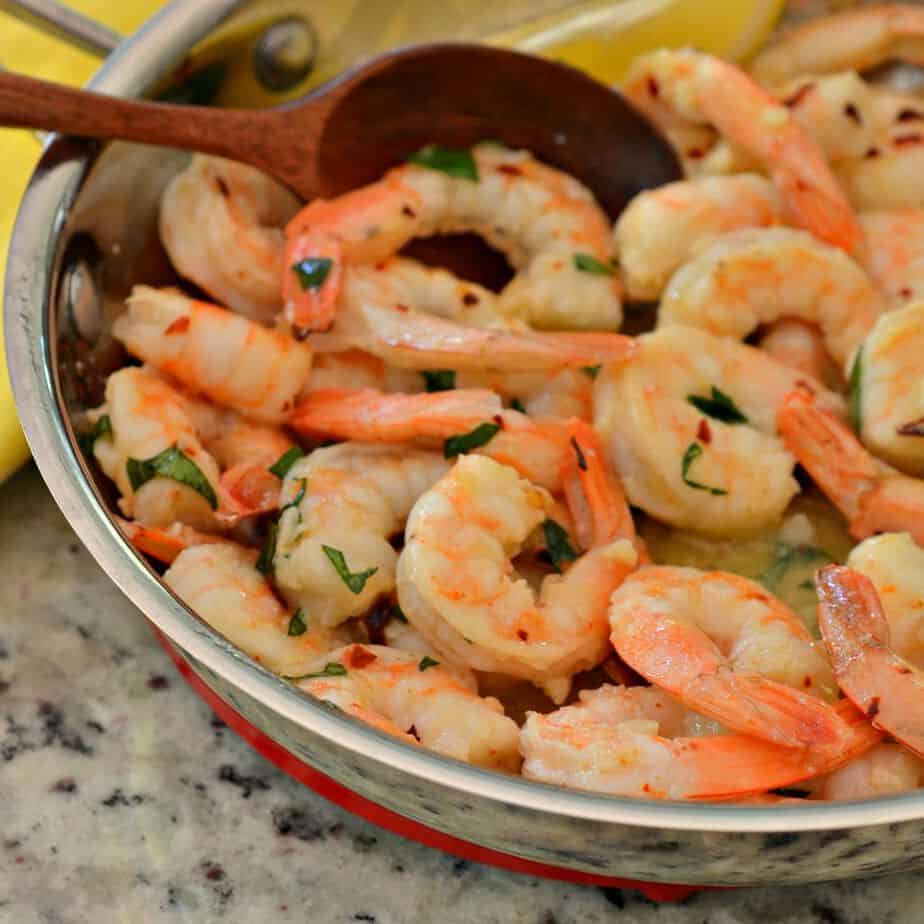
x: 164, y: 545
x: 373, y: 416
x: 312, y: 270
x: 885, y: 687
x: 248, y: 490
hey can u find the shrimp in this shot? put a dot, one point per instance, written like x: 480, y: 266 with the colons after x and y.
x: 894, y: 252
x: 880, y: 683
x: 154, y: 454
x: 223, y: 356
x: 400, y: 692
x: 339, y: 507
x: 661, y: 229
x: 726, y: 647
x: 887, y: 389
x: 690, y: 426
x: 856, y: 39
x: 221, y: 225
x: 223, y: 587
x: 895, y: 565
x: 885, y: 770
x: 370, y: 319
x: 165, y: 545
x: 754, y: 277
x: 874, y: 497
x: 639, y: 742
x: 486, y: 616
x: 801, y: 346
x: 703, y: 89
x: 546, y: 223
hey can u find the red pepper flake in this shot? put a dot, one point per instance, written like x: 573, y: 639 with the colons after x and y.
x: 696, y: 154
x: 179, y: 326
x: 799, y: 95
x: 359, y: 657
x: 872, y: 710
x: 903, y: 670
x: 498, y: 420
x: 914, y: 428
x: 408, y: 211
x: 704, y: 432
x: 806, y: 682
x: 802, y: 186
x: 222, y: 187
x: 851, y: 111
x: 909, y: 115
x: 905, y: 292
x: 402, y: 308
x: 522, y: 635
x: 510, y: 170
x: 901, y: 141
x: 871, y: 153
x: 470, y: 299
x: 653, y: 87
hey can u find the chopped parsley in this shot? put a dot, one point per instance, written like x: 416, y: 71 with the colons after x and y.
x: 297, y: 624
x: 312, y: 272
x: 355, y: 581
x: 439, y: 379
x: 280, y: 468
x: 517, y: 405
x: 299, y: 497
x: 854, y: 392
x: 102, y: 427
x: 395, y: 612
x: 587, y: 263
x: 172, y: 463
x: 331, y: 669
x: 785, y: 557
x: 466, y: 442
x: 265, y: 560
x: 718, y: 406
x: 457, y: 162
x: 426, y: 661
x: 693, y: 452
x: 558, y: 544
x: 591, y: 371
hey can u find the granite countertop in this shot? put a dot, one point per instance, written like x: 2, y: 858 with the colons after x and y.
x: 122, y: 798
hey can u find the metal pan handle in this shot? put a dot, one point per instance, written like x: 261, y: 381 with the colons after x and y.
x: 62, y: 22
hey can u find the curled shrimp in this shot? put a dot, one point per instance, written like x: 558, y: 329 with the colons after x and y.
x: 339, y: 507
x: 801, y: 346
x: 640, y: 742
x: 700, y: 88
x: 221, y: 225
x: 894, y: 252
x: 856, y: 39
x: 722, y: 470
x: 486, y: 616
x: 214, y: 352
x: 880, y: 683
x: 726, y: 647
x: 399, y: 692
x: 755, y: 277
x: 661, y: 229
x: 220, y: 583
x: 874, y: 497
x: 546, y: 223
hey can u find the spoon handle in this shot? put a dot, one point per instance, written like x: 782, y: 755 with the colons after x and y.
x: 29, y: 103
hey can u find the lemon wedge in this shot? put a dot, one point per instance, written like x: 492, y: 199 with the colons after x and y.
x: 603, y: 38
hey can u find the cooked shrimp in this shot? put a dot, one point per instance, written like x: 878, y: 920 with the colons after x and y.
x: 688, y: 467
x: 888, y: 392
x: 437, y: 703
x: 546, y: 223
x: 340, y: 505
x: 885, y: 770
x: 223, y: 356
x: 458, y: 589
x: 149, y: 418
x: 566, y: 394
x: 895, y: 565
x: 221, y: 225
x: 164, y: 545
x: 661, y: 229
x: 801, y: 346
x: 754, y: 277
x: 882, y: 685
x: 704, y: 89
x: 222, y: 586
x: 370, y: 319
x: 726, y: 647
x: 640, y: 742
x: 857, y: 39
x: 894, y: 252
x: 872, y: 496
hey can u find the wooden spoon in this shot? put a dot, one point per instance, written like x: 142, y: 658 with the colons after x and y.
x: 349, y: 131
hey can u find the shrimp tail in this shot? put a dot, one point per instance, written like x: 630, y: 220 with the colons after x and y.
x: 248, y: 490
x: 164, y: 545
x: 312, y: 269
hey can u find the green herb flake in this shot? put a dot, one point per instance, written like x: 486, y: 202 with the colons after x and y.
x: 268, y: 553
x: 395, y: 612
x: 312, y: 272
x: 297, y: 624
x: 355, y: 581
x: 785, y: 557
x: 693, y: 452
x: 587, y: 263
x: 439, y: 379
x: 518, y: 405
x: 425, y: 662
x: 280, y: 468
x: 331, y: 669
x: 591, y: 371
x: 718, y: 406
x: 466, y: 442
x: 172, y: 463
x: 299, y: 497
x: 102, y: 427
x: 457, y: 162
x: 855, y: 392
x: 558, y: 544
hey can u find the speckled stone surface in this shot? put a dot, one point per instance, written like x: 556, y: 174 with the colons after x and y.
x: 123, y: 799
